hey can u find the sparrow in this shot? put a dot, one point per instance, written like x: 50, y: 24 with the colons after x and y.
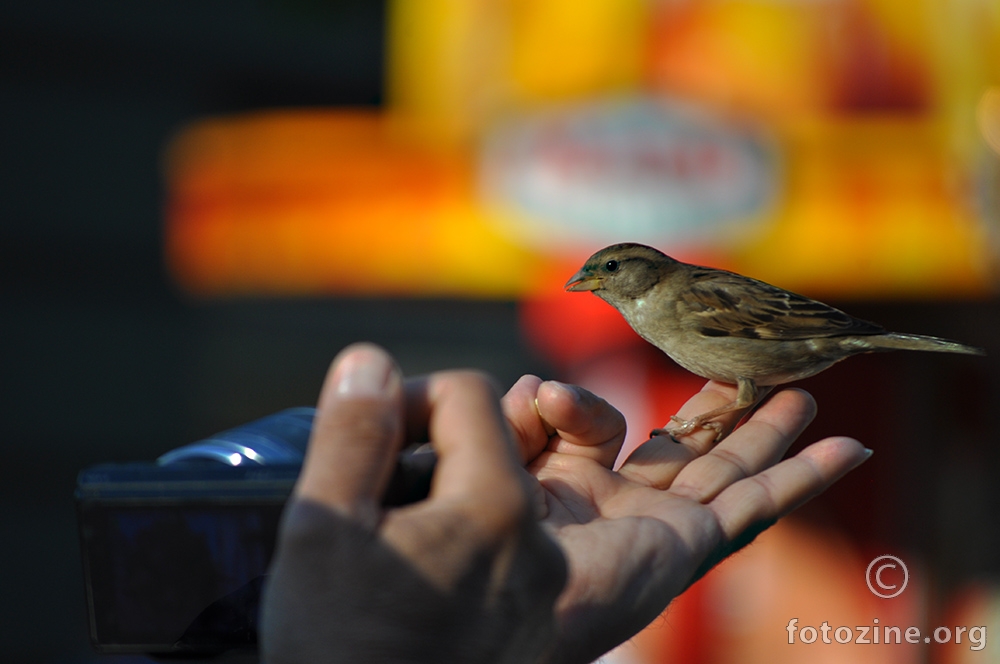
x: 734, y: 329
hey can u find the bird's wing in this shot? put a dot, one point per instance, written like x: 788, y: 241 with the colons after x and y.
x: 726, y: 304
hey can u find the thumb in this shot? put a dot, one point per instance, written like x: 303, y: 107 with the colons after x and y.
x: 356, y: 434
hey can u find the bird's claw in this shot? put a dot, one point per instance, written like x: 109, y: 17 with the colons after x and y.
x: 663, y: 431
x: 684, y: 427
x: 716, y: 427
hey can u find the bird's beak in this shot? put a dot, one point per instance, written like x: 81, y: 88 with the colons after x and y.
x: 584, y: 281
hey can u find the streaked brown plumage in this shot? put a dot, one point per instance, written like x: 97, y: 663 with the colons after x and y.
x: 730, y: 328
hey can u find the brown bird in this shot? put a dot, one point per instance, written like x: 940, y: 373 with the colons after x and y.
x: 730, y: 328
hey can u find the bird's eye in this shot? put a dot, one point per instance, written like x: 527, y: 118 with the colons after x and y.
x: 611, y: 266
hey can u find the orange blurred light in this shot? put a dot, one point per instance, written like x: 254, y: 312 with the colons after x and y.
x: 308, y: 202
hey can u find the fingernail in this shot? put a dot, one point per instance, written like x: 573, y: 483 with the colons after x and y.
x: 572, y: 390
x: 365, y: 371
x: 869, y: 452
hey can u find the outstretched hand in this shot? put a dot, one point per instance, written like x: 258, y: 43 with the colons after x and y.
x: 635, y: 538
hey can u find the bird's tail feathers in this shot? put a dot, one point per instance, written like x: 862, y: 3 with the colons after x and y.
x: 897, y: 341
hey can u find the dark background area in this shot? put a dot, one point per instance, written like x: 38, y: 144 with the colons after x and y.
x: 103, y: 359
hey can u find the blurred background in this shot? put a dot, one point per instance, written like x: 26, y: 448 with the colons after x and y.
x: 204, y: 201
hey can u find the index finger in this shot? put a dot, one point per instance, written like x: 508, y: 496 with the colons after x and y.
x: 477, y: 459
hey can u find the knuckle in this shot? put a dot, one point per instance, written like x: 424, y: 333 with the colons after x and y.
x: 733, y: 459
x: 682, y: 489
x: 766, y: 491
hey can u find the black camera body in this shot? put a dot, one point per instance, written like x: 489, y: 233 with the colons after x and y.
x: 175, y: 552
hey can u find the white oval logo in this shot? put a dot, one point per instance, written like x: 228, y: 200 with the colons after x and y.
x: 641, y: 170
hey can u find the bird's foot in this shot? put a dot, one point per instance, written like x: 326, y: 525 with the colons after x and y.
x: 684, y: 427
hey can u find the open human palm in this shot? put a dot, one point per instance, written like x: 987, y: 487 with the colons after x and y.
x: 639, y: 534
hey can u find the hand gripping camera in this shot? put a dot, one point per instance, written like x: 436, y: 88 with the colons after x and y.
x: 175, y: 552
